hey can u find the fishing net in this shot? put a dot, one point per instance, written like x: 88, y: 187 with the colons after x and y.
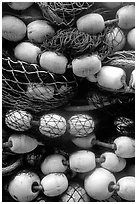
x: 63, y: 13
x: 74, y: 43
x: 18, y: 120
x: 111, y: 103
x: 125, y: 126
x: 114, y: 198
x: 75, y: 193
x: 101, y: 98
x: 81, y: 125
x: 52, y: 125
x: 28, y: 86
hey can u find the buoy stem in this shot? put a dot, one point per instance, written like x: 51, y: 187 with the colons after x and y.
x: 65, y: 162
x: 110, y: 22
x: 103, y: 144
x: 123, y: 81
x: 35, y: 123
x: 100, y: 159
x: 7, y: 144
x: 36, y: 188
x: 114, y: 187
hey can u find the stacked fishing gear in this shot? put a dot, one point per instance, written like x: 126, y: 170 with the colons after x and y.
x: 68, y: 101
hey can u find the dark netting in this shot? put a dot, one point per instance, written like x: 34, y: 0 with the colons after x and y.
x: 114, y: 198
x: 113, y: 105
x: 28, y: 86
x: 73, y: 43
x: 100, y: 98
x: 63, y: 13
x: 125, y: 126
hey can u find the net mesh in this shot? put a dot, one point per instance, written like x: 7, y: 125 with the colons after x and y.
x: 75, y: 193
x: 28, y: 86
x: 73, y: 43
x: 114, y: 198
x: 111, y: 102
x: 125, y: 54
x: 63, y: 13
x: 81, y: 125
x: 102, y: 98
x: 125, y: 126
x: 52, y: 125
x: 18, y: 120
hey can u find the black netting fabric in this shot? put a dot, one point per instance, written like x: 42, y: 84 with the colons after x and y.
x: 111, y: 103
x: 125, y: 126
x: 101, y: 98
x: 114, y: 198
x: 73, y: 43
x: 28, y: 86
